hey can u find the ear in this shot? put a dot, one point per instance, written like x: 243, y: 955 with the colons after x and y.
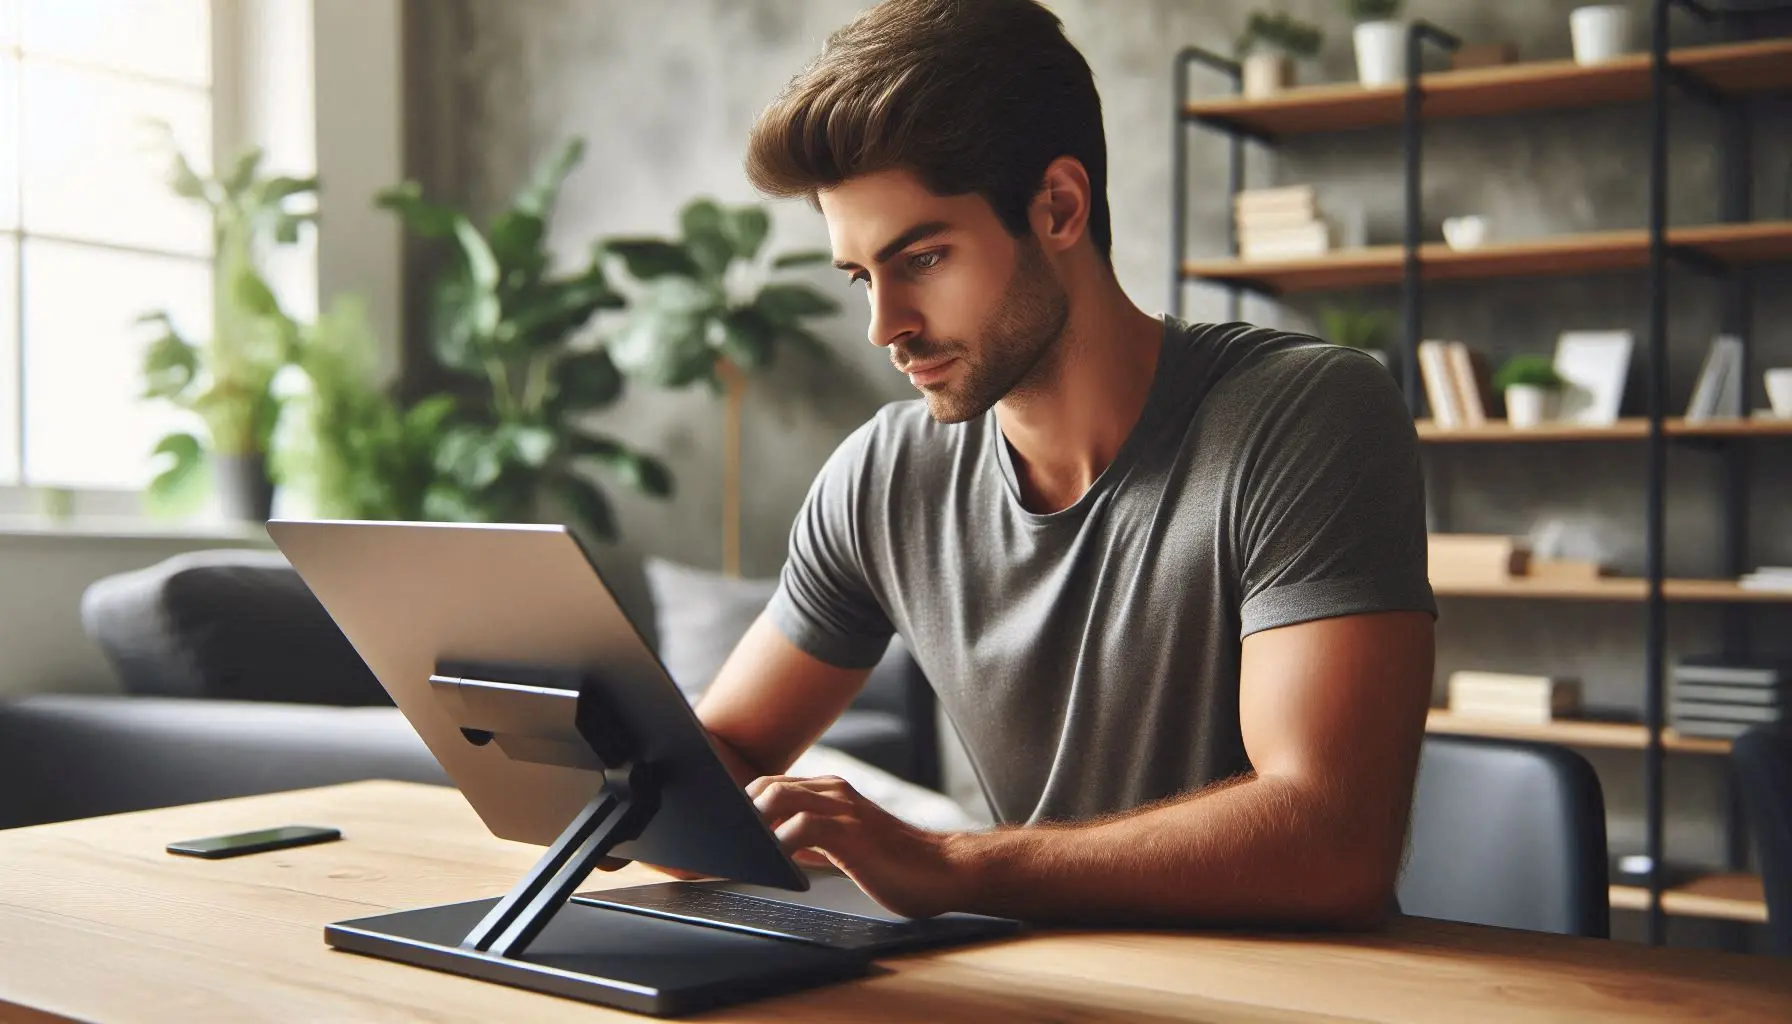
x: 1060, y: 210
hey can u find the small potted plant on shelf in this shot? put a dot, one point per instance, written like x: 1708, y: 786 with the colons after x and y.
x: 1532, y: 388
x: 1380, y: 41
x: 1269, y: 47
x: 1358, y: 328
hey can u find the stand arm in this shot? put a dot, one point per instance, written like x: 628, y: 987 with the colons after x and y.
x: 617, y: 814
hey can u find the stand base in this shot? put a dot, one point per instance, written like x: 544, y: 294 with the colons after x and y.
x: 613, y: 958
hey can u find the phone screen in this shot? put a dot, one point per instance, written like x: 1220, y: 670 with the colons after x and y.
x: 255, y: 842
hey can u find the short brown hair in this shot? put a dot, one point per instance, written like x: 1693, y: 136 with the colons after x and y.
x: 973, y: 96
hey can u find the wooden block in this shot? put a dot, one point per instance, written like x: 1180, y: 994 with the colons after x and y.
x: 1470, y: 558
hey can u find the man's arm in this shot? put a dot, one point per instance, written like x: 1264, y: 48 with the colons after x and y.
x: 772, y: 700
x: 1332, y: 713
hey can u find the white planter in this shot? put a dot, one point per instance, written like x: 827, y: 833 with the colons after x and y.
x: 1600, y: 33
x: 1779, y: 391
x: 1266, y: 74
x: 1528, y: 405
x: 1380, y: 52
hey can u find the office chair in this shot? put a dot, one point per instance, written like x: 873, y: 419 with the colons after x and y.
x: 1510, y: 834
x: 1762, y: 760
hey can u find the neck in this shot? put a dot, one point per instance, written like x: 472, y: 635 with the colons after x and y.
x: 1066, y: 424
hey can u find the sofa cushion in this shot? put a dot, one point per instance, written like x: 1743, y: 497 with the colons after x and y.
x: 228, y: 624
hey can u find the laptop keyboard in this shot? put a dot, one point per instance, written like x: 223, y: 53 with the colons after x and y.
x: 750, y: 913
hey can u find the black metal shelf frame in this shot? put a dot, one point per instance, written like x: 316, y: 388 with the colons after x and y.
x: 1736, y: 319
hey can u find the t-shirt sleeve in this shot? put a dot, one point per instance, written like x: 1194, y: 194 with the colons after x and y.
x: 825, y: 603
x: 1331, y: 519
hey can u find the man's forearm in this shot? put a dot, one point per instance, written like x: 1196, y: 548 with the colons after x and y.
x: 1261, y: 849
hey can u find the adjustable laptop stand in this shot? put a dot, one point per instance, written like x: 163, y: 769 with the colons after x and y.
x: 533, y: 937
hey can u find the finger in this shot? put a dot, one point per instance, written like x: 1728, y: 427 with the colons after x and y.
x: 806, y: 831
x: 779, y: 801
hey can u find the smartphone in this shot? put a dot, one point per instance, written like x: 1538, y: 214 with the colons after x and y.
x: 215, y: 847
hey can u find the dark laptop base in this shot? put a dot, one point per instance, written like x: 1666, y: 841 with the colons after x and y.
x: 609, y: 957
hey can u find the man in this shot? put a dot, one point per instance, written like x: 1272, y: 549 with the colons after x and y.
x: 1168, y: 580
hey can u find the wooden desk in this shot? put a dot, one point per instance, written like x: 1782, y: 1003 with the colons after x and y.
x: 97, y: 923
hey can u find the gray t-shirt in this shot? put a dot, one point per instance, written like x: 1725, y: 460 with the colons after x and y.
x: 1090, y: 657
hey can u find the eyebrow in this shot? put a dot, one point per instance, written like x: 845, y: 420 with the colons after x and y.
x: 899, y: 243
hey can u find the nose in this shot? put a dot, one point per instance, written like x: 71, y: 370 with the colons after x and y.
x: 893, y: 317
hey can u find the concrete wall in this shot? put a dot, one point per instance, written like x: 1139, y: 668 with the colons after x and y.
x: 665, y: 91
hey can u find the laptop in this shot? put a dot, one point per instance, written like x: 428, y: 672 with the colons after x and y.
x: 414, y: 597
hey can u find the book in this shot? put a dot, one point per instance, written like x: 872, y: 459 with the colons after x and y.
x: 1526, y: 698
x: 1434, y: 370
x: 1469, y: 381
x: 1272, y: 217
x: 1280, y: 197
x: 1713, y: 693
x: 1473, y: 558
x: 1718, y: 393
x: 1767, y: 581
x: 1706, y: 711
x: 1312, y: 239
x: 1729, y: 672
x: 1710, y: 729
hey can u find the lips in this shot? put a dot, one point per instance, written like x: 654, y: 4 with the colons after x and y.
x: 930, y: 373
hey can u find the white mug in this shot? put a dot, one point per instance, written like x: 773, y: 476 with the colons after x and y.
x: 1599, y: 33
x: 1779, y: 391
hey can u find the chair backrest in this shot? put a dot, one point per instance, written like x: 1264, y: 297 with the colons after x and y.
x: 1510, y: 834
x: 1762, y: 759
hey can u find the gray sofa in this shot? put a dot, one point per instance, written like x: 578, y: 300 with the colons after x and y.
x: 238, y: 683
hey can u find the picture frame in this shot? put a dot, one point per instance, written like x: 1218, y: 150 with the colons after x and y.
x: 1595, y: 366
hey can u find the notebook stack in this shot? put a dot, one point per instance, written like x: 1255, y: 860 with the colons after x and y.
x: 1458, y: 386
x: 1723, y: 698
x: 1532, y: 700
x: 1768, y: 577
x: 1280, y: 224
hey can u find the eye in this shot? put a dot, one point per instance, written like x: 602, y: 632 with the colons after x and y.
x: 926, y: 260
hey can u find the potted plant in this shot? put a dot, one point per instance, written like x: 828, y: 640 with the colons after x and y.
x: 1380, y: 41
x: 1359, y: 328
x: 1269, y: 47
x: 1532, y: 388
x: 516, y: 333
x: 705, y: 307
x: 226, y: 382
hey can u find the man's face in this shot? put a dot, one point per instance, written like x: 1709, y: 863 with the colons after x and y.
x: 969, y: 312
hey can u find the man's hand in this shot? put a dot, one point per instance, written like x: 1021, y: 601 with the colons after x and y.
x: 907, y: 870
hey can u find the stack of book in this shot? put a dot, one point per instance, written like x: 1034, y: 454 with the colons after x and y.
x: 1532, y: 700
x: 1768, y: 577
x: 1724, y: 697
x: 1280, y: 224
x: 1457, y: 383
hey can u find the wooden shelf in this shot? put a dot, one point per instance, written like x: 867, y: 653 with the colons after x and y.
x: 1624, y: 430
x: 1726, y: 897
x: 1571, y: 733
x: 1505, y: 89
x: 1755, y: 242
x: 1614, y: 588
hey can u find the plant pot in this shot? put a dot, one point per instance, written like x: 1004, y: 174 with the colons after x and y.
x: 1380, y: 52
x: 1600, y: 33
x: 1779, y: 392
x: 245, y: 494
x: 1528, y: 405
x: 1266, y: 74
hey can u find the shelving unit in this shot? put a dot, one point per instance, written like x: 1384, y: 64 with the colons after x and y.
x: 1714, y: 75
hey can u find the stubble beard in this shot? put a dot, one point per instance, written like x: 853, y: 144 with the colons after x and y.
x: 1019, y: 342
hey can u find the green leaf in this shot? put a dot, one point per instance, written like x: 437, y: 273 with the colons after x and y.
x: 803, y: 258
x: 443, y: 503
x: 424, y: 218
x: 536, y: 198
x: 650, y: 258
x: 594, y: 446
x: 185, y: 181
x: 250, y: 291
x: 545, y: 317
x: 746, y: 228
x: 470, y: 457
x: 807, y: 340
x: 280, y: 188
x: 242, y: 173
x: 588, y: 506
x: 287, y: 225
x: 664, y: 340
x: 532, y: 446
x: 425, y: 419
x: 170, y: 362
x: 588, y: 380
x: 704, y: 237
x: 747, y: 339
x: 784, y: 304
x: 516, y: 239
x: 646, y: 474
x: 484, y: 311
x: 186, y: 458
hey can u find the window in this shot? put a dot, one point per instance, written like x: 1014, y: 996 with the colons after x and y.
x: 91, y: 237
